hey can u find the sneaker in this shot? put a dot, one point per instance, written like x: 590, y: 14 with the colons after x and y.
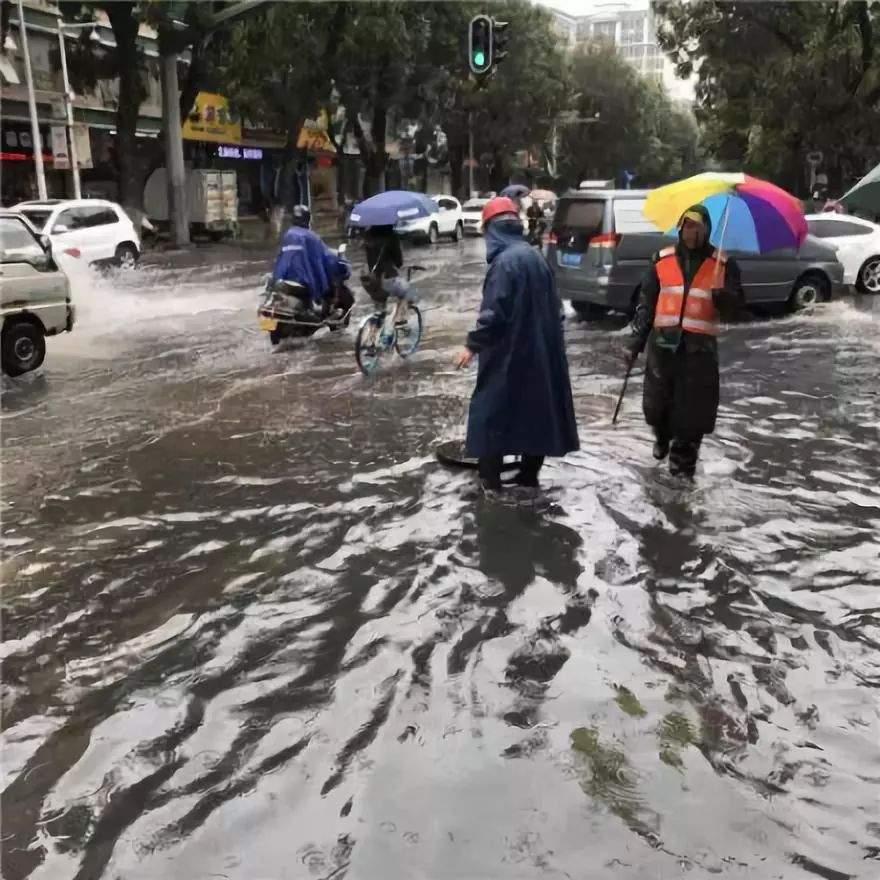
x: 661, y: 449
x: 386, y: 339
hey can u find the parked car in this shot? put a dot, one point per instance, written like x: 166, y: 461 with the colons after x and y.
x: 600, y: 246
x: 98, y: 232
x: 472, y: 215
x: 858, y: 247
x: 34, y: 295
x: 447, y: 221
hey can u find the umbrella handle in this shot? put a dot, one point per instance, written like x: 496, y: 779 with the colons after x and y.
x: 718, y: 267
x: 629, y: 370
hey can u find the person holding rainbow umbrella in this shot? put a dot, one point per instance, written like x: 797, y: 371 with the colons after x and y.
x: 687, y: 291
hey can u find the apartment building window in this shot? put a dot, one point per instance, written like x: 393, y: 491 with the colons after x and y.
x: 632, y: 30
x: 605, y: 30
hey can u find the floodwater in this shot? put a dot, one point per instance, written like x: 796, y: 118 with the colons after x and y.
x: 252, y: 630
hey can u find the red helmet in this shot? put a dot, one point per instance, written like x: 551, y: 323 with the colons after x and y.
x: 499, y: 205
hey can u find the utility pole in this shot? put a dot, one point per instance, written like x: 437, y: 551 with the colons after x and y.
x: 32, y: 106
x: 175, y: 171
x: 68, y: 104
x: 471, y: 154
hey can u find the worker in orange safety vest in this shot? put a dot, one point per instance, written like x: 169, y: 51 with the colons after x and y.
x: 683, y: 297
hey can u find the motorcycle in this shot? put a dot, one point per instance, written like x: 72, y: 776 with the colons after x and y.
x: 289, y: 312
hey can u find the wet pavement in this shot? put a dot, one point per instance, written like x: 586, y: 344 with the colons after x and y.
x: 253, y: 630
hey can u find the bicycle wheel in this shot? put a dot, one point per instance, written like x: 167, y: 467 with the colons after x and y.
x: 408, y: 336
x: 368, y: 346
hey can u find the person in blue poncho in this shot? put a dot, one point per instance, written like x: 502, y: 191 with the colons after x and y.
x: 522, y: 404
x: 306, y: 260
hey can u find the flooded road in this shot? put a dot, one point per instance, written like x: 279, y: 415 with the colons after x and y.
x: 253, y: 630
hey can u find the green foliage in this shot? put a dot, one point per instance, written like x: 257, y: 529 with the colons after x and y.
x: 777, y: 80
x: 631, y: 124
x: 397, y: 59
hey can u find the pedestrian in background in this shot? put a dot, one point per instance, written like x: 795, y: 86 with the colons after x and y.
x: 683, y: 297
x: 522, y: 403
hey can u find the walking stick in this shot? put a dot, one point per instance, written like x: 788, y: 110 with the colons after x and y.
x: 629, y: 368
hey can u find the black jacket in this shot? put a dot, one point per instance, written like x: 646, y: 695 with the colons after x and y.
x: 384, y: 256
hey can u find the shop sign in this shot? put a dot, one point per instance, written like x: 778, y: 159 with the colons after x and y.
x: 83, y: 145
x: 230, y: 151
x: 59, y: 147
x: 212, y: 120
x: 313, y: 135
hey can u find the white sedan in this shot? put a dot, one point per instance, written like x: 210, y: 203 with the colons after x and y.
x: 98, y: 232
x: 472, y: 214
x: 858, y: 247
x: 447, y: 221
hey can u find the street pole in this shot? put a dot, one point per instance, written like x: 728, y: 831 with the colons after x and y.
x: 68, y: 103
x: 175, y: 171
x: 32, y: 106
x: 470, y: 154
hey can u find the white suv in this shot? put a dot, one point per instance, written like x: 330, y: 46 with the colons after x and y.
x: 98, y: 232
x: 447, y: 221
x: 34, y: 296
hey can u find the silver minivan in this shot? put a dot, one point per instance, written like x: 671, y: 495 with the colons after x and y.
x: 34, y: 295
x: 600, y: 246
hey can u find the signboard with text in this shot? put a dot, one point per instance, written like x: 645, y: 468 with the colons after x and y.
x: 212, y: 120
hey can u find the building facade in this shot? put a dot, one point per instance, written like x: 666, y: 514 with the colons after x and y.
x: 630, y: 28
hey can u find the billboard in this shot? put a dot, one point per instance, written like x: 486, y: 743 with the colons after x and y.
x: 212, y: 120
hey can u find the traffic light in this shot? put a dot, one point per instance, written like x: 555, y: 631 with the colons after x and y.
x: 480, y: 44
x: 499, y: 40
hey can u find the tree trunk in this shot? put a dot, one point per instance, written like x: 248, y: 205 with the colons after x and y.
x: 131, y: 93
x: 456, y: 170
x: 378, y: 158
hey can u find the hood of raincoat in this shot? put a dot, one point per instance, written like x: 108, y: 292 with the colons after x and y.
x: 707, y: 222
x: 500, y: 235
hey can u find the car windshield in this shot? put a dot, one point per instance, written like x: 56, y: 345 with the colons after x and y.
x: 38, y: 217
x: 17, y: 244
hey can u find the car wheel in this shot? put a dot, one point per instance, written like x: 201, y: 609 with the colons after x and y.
x: 433, y: 234
x: 23, y: 348
x: 868, y: 280
x: 588, y: 311
x: 458, y: 234
x: 808, y: 291
x: 126, y: 256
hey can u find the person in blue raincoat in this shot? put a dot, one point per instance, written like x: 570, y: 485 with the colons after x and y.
x: 305, y: 259
x: 522, y: 403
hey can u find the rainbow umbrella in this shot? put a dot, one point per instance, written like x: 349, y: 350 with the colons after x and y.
x: 748, y: 214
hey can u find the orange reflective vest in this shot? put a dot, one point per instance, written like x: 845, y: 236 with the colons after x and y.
x: 697, y: 312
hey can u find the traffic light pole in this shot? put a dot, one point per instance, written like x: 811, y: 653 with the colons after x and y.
x: 470, y: 155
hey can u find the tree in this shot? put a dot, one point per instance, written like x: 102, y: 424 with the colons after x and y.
x: 778, y: 80
x: 393, y: 60
x: 125, y: 62
x: 624, y: 122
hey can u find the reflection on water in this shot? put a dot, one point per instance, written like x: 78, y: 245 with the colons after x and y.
x: 252, y: 630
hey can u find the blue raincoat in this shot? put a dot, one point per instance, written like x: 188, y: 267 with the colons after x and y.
x: 305, y: 259
x: 522, y: 404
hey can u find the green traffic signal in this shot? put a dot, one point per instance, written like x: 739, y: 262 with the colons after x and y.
x: 480, y: 44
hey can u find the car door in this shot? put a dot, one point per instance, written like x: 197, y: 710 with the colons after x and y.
x: 26, y: 276
x: 66, y: 232
x: 769, y: 277
x: 851, y: 238
x: 101, y: 231
x: 450, y: 215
